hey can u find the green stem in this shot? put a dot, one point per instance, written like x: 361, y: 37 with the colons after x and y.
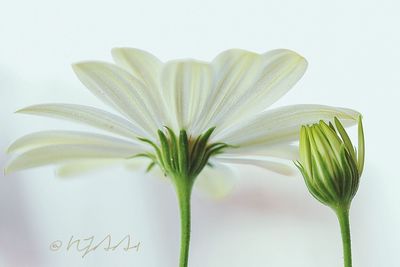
x: 184, y: 191
x: 343, y: 217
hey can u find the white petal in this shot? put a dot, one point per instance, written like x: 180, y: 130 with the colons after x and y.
x: 87, y: 115
x: 247, y: 83
x: 63, y: 153
x: 121, y: 90
x: 141, y: 64
x: 45, y: 138
x: 83, y: 167
x: 217, y: 181
x: 281, y: 151
x: 277, y: 167
x: 146, y: 68
x: 282, y: 124
x: 186, y: 85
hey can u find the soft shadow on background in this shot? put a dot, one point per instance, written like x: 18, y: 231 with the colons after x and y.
x: 268, y: 219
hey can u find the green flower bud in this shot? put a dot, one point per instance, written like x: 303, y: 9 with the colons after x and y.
x: 329, y: 163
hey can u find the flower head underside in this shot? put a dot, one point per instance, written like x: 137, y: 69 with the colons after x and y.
x: 207, y: 114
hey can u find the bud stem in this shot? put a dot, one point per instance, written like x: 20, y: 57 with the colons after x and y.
x: 343, y: 217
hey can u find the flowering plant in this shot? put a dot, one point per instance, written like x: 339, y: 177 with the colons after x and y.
x: 184, y: 116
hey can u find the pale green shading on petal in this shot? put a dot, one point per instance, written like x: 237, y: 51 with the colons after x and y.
x: 147, y: 69
x: 87, y: 115
x: 268, y: 164
x: 283, y: 124
x: 141, y: 64
x: 63, y: 153
x: 45, y: 138
x: 85, y: 167
x: 247, y: 83
x: 186, y: 85
x: 232, y: 71
x: 119, y: 89
x: 282, y: 151
x: 217, y: 180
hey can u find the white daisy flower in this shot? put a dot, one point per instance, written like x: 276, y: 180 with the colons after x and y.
x: 184, y: 116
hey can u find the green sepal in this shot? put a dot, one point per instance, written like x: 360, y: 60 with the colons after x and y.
x: 345, y: 138
x: 150, y: 167
x: 173, y: 147
x: 361, y: 146
x: 182, y: 158
x: 165, y: 151
x: 183, y: 152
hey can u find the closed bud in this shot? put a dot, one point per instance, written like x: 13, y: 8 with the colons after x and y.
x: 330, y: 164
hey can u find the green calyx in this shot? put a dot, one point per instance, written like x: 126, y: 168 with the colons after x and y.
x: 329, y: 163
x: 181, y: 155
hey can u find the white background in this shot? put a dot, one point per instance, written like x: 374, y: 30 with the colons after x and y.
x: 269, y: 220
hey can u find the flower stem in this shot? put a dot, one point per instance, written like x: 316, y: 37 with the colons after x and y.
x: 343, y: 217
x: 184, y: 191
